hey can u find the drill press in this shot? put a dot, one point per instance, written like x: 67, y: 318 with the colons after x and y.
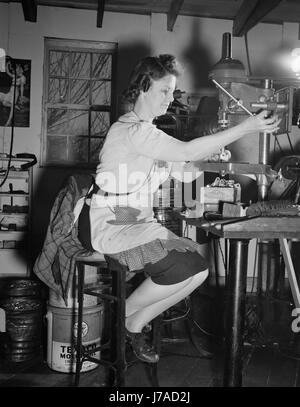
x: 238, y: 98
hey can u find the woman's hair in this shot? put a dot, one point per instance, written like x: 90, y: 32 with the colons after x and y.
x: 147, y: 69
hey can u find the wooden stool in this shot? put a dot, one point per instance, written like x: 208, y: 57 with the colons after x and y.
x: 116, y: 343
x: 116, y: 298
x: 186, y: 316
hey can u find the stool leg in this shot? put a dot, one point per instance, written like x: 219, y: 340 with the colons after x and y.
x: 189, y: 324
x: 118, y: 336
x: 156, y: 342
x: 80, y: 270
x: 169, y: 329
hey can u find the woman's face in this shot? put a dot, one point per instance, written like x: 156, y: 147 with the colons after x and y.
x: 159, y: 96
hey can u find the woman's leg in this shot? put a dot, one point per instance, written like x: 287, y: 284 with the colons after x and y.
x: 151, y: 299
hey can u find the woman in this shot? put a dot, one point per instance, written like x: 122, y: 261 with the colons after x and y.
x: 15, y: 94
x: 135, y: 159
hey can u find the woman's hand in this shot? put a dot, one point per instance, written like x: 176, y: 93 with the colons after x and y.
x: 261, y: 123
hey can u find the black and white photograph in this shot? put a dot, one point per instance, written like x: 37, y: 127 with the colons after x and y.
x: 149, y: 197
x: 15, y: 93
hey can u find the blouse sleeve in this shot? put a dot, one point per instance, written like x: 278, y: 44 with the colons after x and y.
x: 147, y: 140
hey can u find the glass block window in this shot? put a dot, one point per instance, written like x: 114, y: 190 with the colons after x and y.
x: 78, y: 101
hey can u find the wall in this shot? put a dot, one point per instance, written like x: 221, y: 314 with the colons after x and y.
x: 26, y: 40
x: 196, y: 41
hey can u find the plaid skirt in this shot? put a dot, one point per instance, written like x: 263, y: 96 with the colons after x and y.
x: 165, y: 261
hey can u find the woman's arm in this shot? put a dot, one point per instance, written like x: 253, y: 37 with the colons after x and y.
x: 22, y: 85
x: 158, y: 145
x: 212, y: 143
x: 8, y: 70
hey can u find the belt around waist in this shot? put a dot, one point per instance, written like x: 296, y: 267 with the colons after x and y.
x: 105, y: 193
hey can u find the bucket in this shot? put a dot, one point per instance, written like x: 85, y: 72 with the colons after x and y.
x: 91, y: 277
x: 23, y: 312
x: 62, y: 335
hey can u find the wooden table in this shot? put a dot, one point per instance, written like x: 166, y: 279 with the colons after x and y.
x: 239, y: 234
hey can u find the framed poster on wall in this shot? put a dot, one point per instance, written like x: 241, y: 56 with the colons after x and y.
x: 15, y: 93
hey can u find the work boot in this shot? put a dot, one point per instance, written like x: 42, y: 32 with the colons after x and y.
x: 140, y: 348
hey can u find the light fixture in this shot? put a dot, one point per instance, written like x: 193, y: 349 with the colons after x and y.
x: 228, y: 69
x: 295, y: 60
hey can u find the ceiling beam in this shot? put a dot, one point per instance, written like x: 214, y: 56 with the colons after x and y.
x: 251, y: 13
x: 173, y: 12
x: 242, y: 16
x: 29, y: 10
x: 100, y: 12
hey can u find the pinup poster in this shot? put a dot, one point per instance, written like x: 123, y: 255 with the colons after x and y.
x: 15, y: 93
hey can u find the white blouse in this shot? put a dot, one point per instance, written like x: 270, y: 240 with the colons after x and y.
x: 135, y: 160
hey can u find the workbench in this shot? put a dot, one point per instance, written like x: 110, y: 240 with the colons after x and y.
x: 239, y: 233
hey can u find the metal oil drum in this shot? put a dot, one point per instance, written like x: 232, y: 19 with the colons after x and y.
x: 23, y: 307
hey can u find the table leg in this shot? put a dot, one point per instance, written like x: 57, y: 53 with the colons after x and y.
x: 235, y: 312
x: 80, y: 271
